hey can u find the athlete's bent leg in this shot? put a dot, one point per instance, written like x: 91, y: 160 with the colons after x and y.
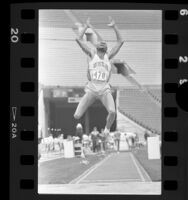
x: 84, y: 103
x: 109, y: 104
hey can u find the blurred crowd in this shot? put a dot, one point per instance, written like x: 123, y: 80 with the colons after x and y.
x: 94, y: 142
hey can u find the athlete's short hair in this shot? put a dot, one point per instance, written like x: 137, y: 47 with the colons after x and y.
x: 102, y: 46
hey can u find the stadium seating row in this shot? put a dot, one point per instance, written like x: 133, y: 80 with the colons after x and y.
x: 137, y: 106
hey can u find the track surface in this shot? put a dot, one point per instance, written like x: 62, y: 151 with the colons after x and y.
x: 122, y: 167
x: 116, y: 174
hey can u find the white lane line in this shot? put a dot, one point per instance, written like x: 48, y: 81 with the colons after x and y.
x: 91, y: 170
x: 137, y: 167
x: 77, y: 178
x: 142, y: 168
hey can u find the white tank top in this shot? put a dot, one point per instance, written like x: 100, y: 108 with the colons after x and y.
x: 98, y: 73
x: 99, y: 69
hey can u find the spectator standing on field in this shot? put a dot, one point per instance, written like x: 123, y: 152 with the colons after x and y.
x: 103, y: 140
x: 146, y: 135
x: 117, y: 136
x: 79, y: 132
x: 61, y: 138
x: 85, y: 140
x: 94, y: 138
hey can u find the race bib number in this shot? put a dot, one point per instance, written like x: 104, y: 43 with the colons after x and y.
x: 99, y: 76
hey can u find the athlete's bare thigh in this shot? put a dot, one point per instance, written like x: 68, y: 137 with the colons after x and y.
x: 108, y: 102
x: 84, y: 103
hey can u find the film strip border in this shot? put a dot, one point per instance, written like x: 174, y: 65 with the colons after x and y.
x: 24, y: 72
x: 24, y: 98
x: 174, y: 84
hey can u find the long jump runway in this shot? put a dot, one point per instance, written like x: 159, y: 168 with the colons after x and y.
x: 116, y: 174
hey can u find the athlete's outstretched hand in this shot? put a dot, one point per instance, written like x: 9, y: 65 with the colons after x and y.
x: 88, y: 22
x: 111, y: 22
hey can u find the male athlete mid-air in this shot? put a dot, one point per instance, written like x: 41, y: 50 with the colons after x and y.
x: 99, y: 72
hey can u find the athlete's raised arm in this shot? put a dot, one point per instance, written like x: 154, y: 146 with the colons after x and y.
x: 99, y: 38
x: 119, y: 42
x: 81, y: 43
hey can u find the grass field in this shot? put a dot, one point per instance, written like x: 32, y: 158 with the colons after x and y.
x: 64, y: 170
x: 153, y: 167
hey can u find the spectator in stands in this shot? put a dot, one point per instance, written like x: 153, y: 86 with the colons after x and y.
x: 94, y: 138
x: 117, y: 136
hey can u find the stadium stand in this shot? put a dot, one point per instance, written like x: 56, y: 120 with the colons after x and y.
x: 156, y: 92
x: 137, y: 106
